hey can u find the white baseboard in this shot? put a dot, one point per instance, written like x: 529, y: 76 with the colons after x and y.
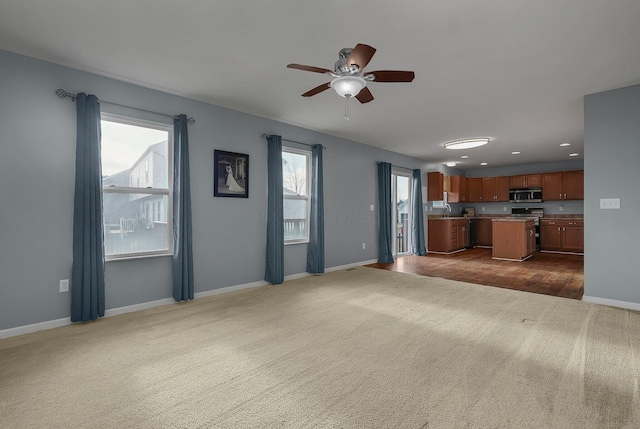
x: 137, y: 307
x: 355, y: 264
x: 34, y: 327
x: 233, y: 288
x: 50, y: 324
x: 612, y: 302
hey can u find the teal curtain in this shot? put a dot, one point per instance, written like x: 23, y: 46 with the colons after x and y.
x: 385, y: 251
x: 418, y: 244
x: 274, y: 269
x: 87, y: 273
x: 315, y: 249
x: 183, y: 283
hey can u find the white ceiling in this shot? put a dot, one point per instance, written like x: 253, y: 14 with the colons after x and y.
x: 512, y: 70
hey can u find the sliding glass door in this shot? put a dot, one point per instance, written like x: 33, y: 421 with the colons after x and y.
x: 401, y: 191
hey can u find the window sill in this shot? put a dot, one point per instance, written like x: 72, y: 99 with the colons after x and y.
x: 287, y: 243
x: 137, y: 256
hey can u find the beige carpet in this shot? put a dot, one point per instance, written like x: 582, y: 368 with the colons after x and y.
x: 361, y: 348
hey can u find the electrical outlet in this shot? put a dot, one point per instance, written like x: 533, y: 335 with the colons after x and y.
x: 482, y: 208
x: 561, y: 207
x: 363, y: 246
x: 504, y: 209
x: 371, y: 207
x: 64, y: 285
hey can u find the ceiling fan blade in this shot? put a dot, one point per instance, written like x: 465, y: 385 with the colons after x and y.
x: 392, y: 76
x: 309, y: 68
x: 361, y: 55
x: 318, y: 89
x: 364, y: 96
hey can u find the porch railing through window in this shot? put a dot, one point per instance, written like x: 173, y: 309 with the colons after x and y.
x: 295, y: 229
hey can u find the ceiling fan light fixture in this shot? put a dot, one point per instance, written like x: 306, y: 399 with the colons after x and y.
x: 348, y: 86
x: 466, y: 143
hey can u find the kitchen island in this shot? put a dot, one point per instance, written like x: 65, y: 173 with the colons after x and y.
x: 513, y: 238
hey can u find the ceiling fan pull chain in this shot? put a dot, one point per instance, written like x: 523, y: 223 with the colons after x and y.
x: 346, y: 108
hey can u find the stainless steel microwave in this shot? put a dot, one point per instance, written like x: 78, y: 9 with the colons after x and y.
x: 526, y: 195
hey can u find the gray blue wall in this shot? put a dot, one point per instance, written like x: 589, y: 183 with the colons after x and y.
x: 612, y: 153
x: 37, y: 151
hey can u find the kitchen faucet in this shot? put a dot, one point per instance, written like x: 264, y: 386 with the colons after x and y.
x: 446, y: 207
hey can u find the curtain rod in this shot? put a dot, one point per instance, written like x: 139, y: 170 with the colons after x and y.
x: 64, y: 94
x: 265, y: 136
x: 399, y: 166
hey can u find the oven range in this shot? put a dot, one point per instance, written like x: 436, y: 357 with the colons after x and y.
x: 534, y: 212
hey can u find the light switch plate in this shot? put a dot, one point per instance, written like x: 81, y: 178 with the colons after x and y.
x: 609, y: 203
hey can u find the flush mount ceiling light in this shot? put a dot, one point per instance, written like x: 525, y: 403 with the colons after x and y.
x: 574, y: 154
x: 483, y: 163
x: 451, y: 164
x: 565, y: 144
x: 464, y: 156
x: 466, y: 143
x: 515, y: 153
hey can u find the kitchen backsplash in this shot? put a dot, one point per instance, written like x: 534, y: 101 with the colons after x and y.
x: 550, y: 207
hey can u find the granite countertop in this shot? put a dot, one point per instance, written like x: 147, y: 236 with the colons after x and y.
x: 505, y: 216
x: 513, y: 219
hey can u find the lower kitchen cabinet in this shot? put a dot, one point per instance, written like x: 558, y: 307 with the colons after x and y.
x: 513, y: 240
x: 562, y: 235
x: 448, y: 235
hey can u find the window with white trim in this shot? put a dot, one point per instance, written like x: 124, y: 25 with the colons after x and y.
x: 136, y: 187
x: 296, y: 182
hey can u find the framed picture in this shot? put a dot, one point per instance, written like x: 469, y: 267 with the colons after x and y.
x: 230, y: 174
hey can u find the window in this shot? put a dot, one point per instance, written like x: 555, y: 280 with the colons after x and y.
x: 136, y: 216
x: 296, y: 181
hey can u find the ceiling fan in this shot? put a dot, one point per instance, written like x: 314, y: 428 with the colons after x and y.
x: 350, y: 79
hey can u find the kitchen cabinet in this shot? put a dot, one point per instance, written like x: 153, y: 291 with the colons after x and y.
x: 448, y: 235
x: 564, y: 185
x: 483, y: 232
x: 525, y: 181
x: 435, y: 186
x: 513, y: 239
x: 458, y: 186
x: 562, y: 235
x: 474, y: 189
x: 495, y: 189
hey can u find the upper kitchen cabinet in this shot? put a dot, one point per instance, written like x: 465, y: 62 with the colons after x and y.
x: 435, y: 186
x: 565, y: 185
x: 495, y: 189
x: 458, y: 186
x: 528, y: 181
x: 474, y: 189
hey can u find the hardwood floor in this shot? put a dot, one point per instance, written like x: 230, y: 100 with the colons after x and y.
x: 545, y: 273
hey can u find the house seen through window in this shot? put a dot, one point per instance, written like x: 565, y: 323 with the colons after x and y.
x: 136, y: 184
x: 296, y: 180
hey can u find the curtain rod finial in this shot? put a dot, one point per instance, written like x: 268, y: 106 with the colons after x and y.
x: 64, y: 94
